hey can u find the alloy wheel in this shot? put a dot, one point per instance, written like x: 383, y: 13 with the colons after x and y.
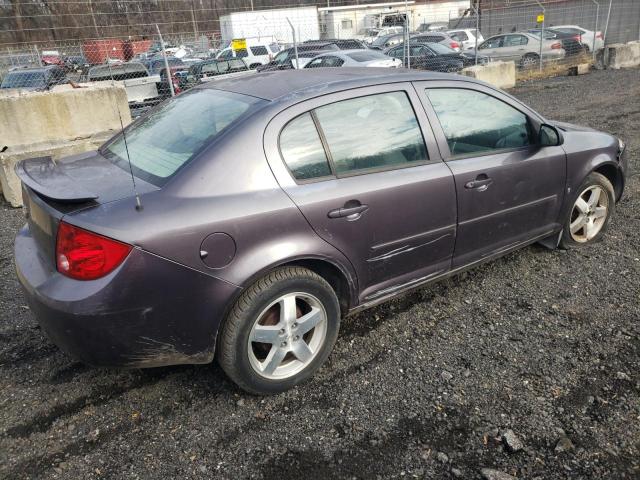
x: 287, y: 335
x: 589, y: 214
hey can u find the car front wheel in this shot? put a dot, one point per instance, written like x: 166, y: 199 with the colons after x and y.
x: 591, y: 212
x: 280, y: 331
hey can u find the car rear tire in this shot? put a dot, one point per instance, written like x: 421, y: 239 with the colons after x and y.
x: 280, y: 331
x: 529, y: 60
x: 253, y: 66
x: 590, y: 212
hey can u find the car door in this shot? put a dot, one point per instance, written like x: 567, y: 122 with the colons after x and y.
x: 515, y: 47
x: 509, y: 189
x: 363, y: 167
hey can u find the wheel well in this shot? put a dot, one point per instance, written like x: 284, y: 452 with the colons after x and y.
x: 611, y: 172
x: 333, y: 275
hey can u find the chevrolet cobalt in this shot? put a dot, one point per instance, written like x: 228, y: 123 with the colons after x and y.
x: 243, y: 219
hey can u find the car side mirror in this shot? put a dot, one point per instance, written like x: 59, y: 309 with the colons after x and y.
x: 549, y: 136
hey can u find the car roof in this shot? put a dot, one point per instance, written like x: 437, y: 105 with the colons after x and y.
x: 305, y: 83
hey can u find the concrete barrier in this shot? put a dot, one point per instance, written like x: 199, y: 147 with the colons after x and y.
x: 498, y: 74
x: 61, y: 122
x: 623, y: 55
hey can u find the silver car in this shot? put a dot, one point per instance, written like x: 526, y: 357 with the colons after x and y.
x: 438, y: 37
x: 522, y: 48
x: 354, y: 58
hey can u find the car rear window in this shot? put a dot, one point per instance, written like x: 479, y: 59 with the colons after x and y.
x: 259, y: 50
x: 161, y: 143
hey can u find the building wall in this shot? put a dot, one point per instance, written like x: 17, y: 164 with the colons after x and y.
x: 336, y: 21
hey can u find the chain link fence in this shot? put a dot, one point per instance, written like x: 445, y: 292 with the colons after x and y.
x: 157, y: 49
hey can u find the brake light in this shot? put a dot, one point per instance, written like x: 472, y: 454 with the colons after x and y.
x: 85, y: 255
x: 556, y: 46
x: 455, y: 45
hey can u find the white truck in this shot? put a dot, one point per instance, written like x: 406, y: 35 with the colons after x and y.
x: 271, y: 23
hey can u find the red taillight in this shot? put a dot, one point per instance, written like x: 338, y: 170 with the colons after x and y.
x: 598, y: 34
x: 556, y: 46
x: 454, y: 45
x: 84, y: 255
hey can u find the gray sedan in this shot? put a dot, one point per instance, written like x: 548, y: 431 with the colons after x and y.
x: 354, y: 58
x: 267, y: 207
x: 522, y: 48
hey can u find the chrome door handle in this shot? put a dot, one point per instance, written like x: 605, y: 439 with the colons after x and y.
x: 480, y: 185
x: 352, y: 212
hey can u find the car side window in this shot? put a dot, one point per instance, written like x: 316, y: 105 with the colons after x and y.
x: 395, y: 53
x: 372, y: 132
x: 331, y: 61
x: 495, y: 42
x: 302, y: 149
x: 209, y: 68
x: 474, y: 122
x: 459, y: 36
x: 515, y: 40
x: 315, y: 63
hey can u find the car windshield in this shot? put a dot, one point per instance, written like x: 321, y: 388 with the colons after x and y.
x: 175, y: 133
x: 24, y: 80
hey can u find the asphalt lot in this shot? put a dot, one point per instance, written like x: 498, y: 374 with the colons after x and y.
x: 543, y: 343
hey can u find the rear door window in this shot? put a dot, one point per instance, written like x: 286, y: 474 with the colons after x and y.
x: 474, y: 122
x: 515, y: 40
x: 373, y: 132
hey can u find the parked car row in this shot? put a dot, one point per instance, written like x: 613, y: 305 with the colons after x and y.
x: 431, y: 47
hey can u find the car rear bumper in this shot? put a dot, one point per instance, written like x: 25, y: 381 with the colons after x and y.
x: 148, y: 312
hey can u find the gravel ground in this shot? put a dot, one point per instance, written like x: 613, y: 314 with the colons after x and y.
x: 529, y: 366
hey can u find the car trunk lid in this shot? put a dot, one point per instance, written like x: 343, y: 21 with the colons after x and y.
x: 52, y: 189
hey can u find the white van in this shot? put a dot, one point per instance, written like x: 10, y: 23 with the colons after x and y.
x: 259, y: 51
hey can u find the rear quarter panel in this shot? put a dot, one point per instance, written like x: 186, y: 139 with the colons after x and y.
x: 230, y: 189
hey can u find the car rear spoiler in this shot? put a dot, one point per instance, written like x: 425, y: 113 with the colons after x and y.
x: 44, y: 176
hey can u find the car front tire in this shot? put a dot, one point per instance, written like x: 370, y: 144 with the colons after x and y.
x: 280, y: 331
x: 590, y: 212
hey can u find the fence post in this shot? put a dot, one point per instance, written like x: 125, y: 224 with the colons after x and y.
x: 295, y: 43
x: 166, y: 63
x: 475, y: 49
x: 541, y: 31
x: 595, y: 29
x: 606, y: 27
x: 407, y: 40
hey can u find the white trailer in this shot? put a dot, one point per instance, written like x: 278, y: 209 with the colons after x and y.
x: 268, y: 23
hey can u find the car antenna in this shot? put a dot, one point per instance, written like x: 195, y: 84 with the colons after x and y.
x: 126, y: 145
